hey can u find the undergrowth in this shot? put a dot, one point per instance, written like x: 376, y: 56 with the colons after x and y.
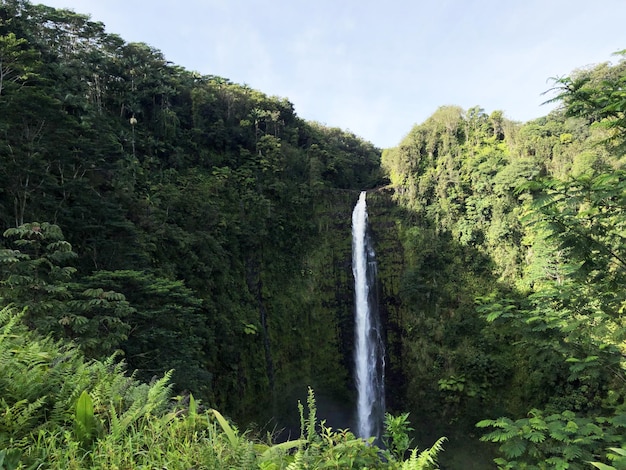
x: 60, y: 411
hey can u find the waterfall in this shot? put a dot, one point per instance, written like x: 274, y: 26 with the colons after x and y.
x: 369, y: 352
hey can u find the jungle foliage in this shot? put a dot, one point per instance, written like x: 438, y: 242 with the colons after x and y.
x: 197, y: 232
x: 61, y: 411
x: 513, y: 292
x: 171, y: 216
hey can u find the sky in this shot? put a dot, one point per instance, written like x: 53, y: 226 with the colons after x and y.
x: 377, y: 68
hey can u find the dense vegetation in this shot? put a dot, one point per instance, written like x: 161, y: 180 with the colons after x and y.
x: 199, y: 231
x: 165, y: 214
x: 60, y: 411
x: 513, y: 290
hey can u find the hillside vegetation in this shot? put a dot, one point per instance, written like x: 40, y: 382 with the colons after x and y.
x: 196, y: 233
x: 512, y: 298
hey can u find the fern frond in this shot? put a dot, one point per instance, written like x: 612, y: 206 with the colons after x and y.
x: 312, y: 422
x: 8, y: 320
x: 298, y: 462
x: 426, y: 459
x: 115, y: 427
x: 247, y: 457
x: 70, y: 372
x: 160, y: 391
x: 411, y: 463
x: 128, y: 418
x: 19, y: 419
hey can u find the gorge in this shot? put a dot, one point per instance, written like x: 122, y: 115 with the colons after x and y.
x: 164, y: 222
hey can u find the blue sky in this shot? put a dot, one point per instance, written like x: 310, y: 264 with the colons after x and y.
x: 376, y: 68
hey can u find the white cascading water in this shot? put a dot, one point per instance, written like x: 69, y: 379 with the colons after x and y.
x: 369, y: 355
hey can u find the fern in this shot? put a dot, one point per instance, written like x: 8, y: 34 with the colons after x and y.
x: 298, y: 462
x: 121, y: 423
x: 246, y: 457
x: 17, y: 420
x: 159, y: 393
x: 8, y: 320
x: 71, y: 375
x: 412, y: 463
x: 49, y: 419
x: 30, y: 390
x: 426, y: 459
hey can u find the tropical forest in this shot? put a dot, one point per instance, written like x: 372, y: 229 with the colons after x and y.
x: 177, y: 286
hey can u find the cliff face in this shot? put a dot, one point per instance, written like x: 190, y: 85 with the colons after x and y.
x: 440, y: 354
x: 385, y: 228
x: 310, y: 320
x: 313, y: 345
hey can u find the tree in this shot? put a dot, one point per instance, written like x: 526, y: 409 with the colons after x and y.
x: 35, y: 274
x: 166, y: 328
x: 598, y: 95
x: 37, y: 277
x: 17, y: 62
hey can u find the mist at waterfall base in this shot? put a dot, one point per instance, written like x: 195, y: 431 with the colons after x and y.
x: 369, y: 353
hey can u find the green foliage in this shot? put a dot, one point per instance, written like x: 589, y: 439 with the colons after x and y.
x: 157, y: 312
x: 528, y: 219
x: 574, y: 313
x: 196, y: 199
x: 204, y: 229
x: 122, y: 423
x: 562, y: 440
x: 396, y: 436
x: 84, y: 420
x: 616, y: 456
x: 228, y: 430
x: 426, y: 459
x: 36, y: 273
x: 596, y: 94
x: 325, y: 448
x: 35, y: 277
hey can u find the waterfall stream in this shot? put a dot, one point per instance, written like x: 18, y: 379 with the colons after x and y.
x: 369, y: 353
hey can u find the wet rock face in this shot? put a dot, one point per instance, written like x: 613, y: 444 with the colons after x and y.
x: 384, y: 219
